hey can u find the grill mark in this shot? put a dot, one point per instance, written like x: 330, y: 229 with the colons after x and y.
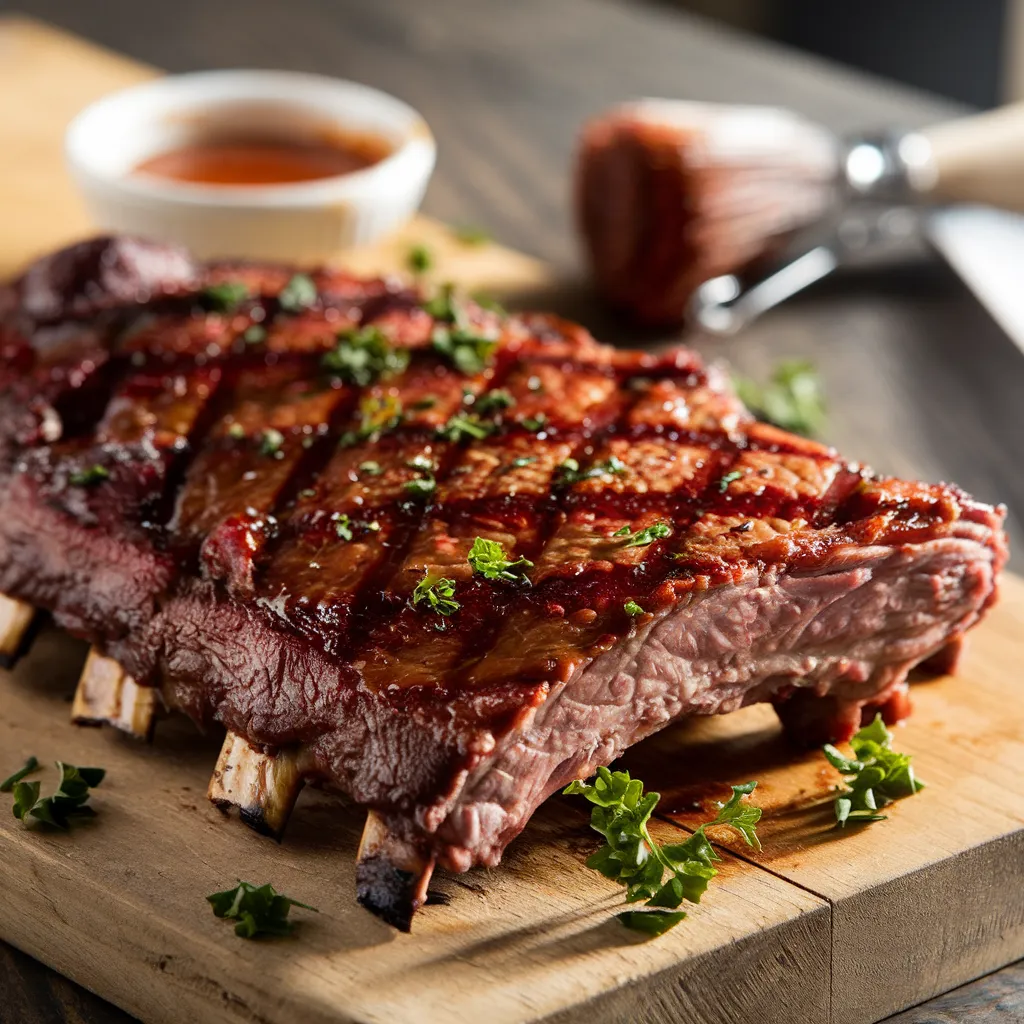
x: 379, y: 580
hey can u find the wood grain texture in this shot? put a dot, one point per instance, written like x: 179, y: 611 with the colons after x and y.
x: 504, y: 87
x: 118, y: 904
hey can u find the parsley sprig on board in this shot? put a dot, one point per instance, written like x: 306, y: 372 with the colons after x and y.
x: 68, y: 802
x: 792, y: 399
x: 876, y: 775
x: 256, y: 909
x: 631, y: 857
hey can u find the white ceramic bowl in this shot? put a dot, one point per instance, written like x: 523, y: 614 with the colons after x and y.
x: 301, y: 222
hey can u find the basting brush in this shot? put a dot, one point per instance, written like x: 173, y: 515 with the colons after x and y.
x: 680, y: 203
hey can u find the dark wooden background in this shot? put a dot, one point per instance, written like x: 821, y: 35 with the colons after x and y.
x: 920, y: 382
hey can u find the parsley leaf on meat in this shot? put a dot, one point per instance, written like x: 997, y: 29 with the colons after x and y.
x: 364, y: 355
x: 467, y: 351
x: 437, y: 594
x: 90, y: 476
x: 494, y: 401
x: 271, y: 442
x: 454, y: 337
x: 569, y: 471
x: 298, y: 294
x: 648, y: 535
x: 876, y: 775
x: 723, y: 484
x: 256, y: 909
x: 631, y: 857
x: 377, y: 415
x: 488, y: 558
x: 465, y: 425
x: 226, y: 296
x: 632, y: 609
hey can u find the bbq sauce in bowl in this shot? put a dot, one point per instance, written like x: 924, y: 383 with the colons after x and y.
x: 266, y: 162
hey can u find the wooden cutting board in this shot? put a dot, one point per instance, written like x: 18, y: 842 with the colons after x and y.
x: 822, y: 926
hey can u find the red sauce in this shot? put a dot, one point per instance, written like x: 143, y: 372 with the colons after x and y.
x: 265, y: 162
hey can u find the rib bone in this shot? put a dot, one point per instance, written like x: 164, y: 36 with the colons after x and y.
x: 392, y: 875
x: 15, y: 619
x: 264, y: 787
x: 106, y: 695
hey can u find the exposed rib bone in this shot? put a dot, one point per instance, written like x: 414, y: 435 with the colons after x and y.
x: 264, y: 787
x: 392, y: 875
x: 15, y: 619
x: 106, y: 695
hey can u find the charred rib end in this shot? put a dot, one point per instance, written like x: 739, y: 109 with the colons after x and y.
x: 106, y: 695
x: 16, y: 622
x: 392, y: 875
x: 264, y: 787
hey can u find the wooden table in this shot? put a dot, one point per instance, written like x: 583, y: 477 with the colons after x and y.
x: 904, y: 351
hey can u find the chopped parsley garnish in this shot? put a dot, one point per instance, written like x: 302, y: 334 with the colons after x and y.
x: 488, y: 558
x: 534, y: 424
x: 298, y: 294
x: 876, y: 775
x: 271, y: 442
x: 468, y: 351
x: 723, y: 484
x: 569, y: 471
x: 424, y: 463
x: 377, y: 415
x: 364, y: 355
x: 632, y: 609
x: 255, y: 334
x: 425, y: 485
x: 494, y: 401
x: 370, y: 468
x: 444, y: 304
x: 631, y: 857
x: 468, y: 234
x: 226, y: 296
x: 437, y: 594
x: 419, y: 259
x: 343, y: 527
x: 464, y: 426
x: 256, y: 909
x: 524, y: 460
x: 68, y: 802
x: 792, y: 399
x: 421, y: 487
x: 89, y: 477
x: 454, y: 337
x: 426, y: 402
x: 648, y: 535
x: 31, y: 765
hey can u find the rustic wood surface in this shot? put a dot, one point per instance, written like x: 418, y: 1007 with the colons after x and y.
x: 906, y: 354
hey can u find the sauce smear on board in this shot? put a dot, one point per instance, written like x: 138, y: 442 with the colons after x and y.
x: 265, y: 162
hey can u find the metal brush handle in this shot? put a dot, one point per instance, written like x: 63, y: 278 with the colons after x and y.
x: 725, y: 305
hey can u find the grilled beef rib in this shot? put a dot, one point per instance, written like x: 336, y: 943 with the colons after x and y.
x: 259, y: 493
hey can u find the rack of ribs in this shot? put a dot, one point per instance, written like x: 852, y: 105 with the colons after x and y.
x: 258, y: 495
